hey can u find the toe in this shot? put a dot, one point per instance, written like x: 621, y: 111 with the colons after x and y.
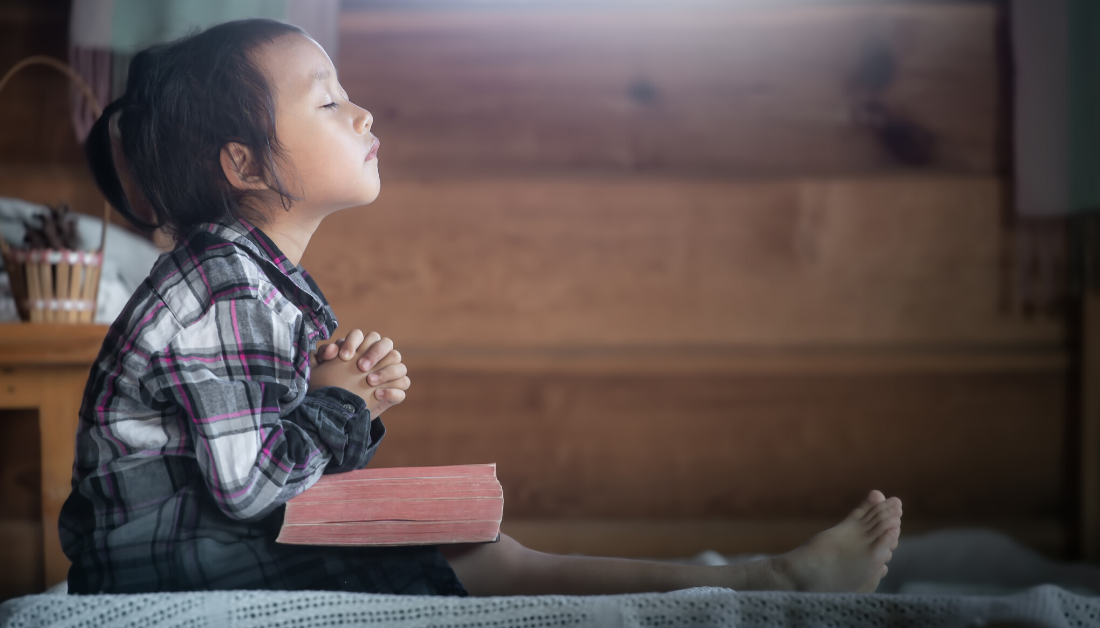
x: 884, y: 525
x: 873, y: 499
x: 879, y: 511
x: 885, y: 544
x: 894, y: 505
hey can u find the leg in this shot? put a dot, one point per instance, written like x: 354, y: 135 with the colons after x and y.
x: 508, y: 568
x: 847, y: 557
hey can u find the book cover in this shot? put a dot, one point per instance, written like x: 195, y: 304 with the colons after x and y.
x: 398, y: 506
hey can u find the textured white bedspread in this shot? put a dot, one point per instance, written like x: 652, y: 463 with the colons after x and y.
x: 1041, y: 606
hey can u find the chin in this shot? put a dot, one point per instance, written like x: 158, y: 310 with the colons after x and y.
x: 372, y: 194
x: 374, y: 184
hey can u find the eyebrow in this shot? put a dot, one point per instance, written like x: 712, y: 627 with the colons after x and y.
x: 318, y: 77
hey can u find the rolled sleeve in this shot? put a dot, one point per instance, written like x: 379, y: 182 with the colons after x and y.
x: 343, y: 423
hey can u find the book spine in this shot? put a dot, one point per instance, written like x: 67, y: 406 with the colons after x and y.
x: 390, y: 533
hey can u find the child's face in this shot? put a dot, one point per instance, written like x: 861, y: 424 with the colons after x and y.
x: 326, y: 138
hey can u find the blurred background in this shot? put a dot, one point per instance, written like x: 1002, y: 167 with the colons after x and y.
x: 695, y: 274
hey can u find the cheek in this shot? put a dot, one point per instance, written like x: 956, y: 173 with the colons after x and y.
x: 317, y: 162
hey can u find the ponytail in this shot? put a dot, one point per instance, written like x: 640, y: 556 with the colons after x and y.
x: 184, y: 102
x: 97, y: 149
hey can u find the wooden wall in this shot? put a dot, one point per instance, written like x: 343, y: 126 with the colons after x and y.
x: 661, y: 265
x: 696, y: 275
x: 39, y: 160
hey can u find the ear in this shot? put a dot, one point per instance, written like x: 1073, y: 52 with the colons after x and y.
x: 240, y: 168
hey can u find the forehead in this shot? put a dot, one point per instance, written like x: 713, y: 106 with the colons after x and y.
x: 295, y: 64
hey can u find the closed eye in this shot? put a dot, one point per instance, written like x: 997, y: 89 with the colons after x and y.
x: 332, y: 105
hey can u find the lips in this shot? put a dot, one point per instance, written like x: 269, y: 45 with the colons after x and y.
x: 373, y: 152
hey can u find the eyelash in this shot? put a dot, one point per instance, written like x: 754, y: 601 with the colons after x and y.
x: 332, y: 105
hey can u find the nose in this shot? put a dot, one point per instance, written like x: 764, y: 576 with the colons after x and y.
x: 363, y: 120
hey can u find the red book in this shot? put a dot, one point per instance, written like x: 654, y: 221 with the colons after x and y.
x: 398, y: 506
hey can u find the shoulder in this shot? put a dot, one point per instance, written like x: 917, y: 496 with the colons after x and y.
x: 207, y: 273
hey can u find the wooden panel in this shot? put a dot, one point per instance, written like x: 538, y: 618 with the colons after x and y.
x: 18, y: 389
x: 569, y: 262
x: 20, y: 504
x: 20, y: 476
x: 51, y: 185
x: 695, y: 445
x: 58, y: 415
x: 44, y: 344
x: 677, y: 539
x: 748, y: 89
x: 21, y: 556
x: 735, y: 361
x: 34, y: 107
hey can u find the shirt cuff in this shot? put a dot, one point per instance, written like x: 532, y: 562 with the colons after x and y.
x: 353, y: 436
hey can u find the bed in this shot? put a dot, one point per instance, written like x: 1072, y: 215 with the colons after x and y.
x: 948, y: 578
x: 1041, y: 606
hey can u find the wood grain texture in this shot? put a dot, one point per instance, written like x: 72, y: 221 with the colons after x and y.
x: 45, y: 367
x: 701, y: 88
x: 58, y: 417
x: 20, y: 472
x: 23, y: 344
x: 690, y: 446
x: 679, y: 539
x: 51, y: 185
x: 21, y: 556
x: 20, y: 503
x: 34, y: 107
x: 575, y: 262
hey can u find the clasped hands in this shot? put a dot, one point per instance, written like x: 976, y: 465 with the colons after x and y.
x: 369, y: 367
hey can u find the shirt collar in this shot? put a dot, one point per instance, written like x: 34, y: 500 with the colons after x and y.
x: 293, y: 281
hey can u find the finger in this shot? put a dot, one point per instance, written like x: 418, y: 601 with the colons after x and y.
x: 371, y: 338
x: 390, y: 373
x: 327, y: 352
x: 351, y: 344
x: 368, y: 342
x: 393, y: 357
x: 401, y: 384
x: 390, y: 395
x: 376, y: 352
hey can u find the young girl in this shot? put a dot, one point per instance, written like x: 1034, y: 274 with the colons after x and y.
x: 204, y: 413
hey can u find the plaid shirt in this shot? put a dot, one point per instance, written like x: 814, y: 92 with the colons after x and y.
x: 197, y: 426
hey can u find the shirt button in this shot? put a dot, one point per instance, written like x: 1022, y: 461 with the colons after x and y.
x: 349, y: 407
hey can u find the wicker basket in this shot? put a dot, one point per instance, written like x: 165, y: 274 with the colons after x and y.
x: 50, y: 285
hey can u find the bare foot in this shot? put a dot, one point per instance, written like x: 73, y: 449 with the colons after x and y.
x: 850, y: 556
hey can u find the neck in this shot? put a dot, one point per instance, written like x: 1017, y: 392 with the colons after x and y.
x: 290, y: 231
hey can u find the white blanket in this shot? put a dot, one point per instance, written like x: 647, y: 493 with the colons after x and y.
x: 1042, y: 606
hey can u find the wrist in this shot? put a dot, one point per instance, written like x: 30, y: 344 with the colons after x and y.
x: 341, y: 396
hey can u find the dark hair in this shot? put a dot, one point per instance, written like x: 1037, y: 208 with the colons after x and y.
x: 184, y: 102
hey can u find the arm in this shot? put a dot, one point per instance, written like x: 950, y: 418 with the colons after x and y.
x: 232, y: 375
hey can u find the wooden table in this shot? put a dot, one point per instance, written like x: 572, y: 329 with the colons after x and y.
x: 44, y: 367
